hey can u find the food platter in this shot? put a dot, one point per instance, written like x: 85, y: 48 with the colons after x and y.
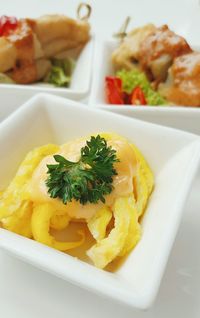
x: 182, y: 270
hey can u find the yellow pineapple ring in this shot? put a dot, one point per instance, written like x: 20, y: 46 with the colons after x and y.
x: 107, y: 249
x: 59, y: 222
x: 40, y: 224
x: 12, y: 197
x: 98, y: 223
x: 134, y: 231
x: 20, y: 221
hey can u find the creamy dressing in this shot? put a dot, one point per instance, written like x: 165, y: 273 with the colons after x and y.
x: 122, y: 182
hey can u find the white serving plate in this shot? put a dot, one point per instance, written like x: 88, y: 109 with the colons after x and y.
x: 78, y: 89
x: 174, y: 157
x: 186, y: 118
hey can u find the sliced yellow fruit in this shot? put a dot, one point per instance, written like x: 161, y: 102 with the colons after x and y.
x: 109, y: 248
x: 40, y: 224
x: 99, y: 222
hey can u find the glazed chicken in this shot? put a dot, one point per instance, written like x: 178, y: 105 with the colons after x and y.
x: 150, y: 49
x: 182, y: 86
x: 57, y: 33
x: 25, y: 50
x: 127, y: 54
x: 158, y: 51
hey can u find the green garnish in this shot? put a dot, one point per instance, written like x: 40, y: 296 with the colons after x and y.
x: 87, y: 180
x: 134, y: 78
x: 60, y: 73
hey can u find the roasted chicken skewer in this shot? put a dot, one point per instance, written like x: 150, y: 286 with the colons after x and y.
x: 150, y: 49
x: 26, y: 45
x: 166, y: 59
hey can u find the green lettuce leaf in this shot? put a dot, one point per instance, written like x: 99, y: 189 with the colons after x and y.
x: 60, y: 73
x: 134, y: 78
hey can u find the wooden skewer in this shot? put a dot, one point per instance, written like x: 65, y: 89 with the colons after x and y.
x: 83, y: 6
x: 122, y: 31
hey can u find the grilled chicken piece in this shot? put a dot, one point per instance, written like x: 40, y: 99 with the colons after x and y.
x: 43, y: 67
x: 158, y: 51
x: 182, y: 86
x: 19, y: 47
x: 127, y: 54
x: 58, y: 33
x: 8, y: 55
x: 150, y: 49
x: 26, y: 50
x: 25, y: 74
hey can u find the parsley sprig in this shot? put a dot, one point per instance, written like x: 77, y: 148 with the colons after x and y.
x: 87, y: 180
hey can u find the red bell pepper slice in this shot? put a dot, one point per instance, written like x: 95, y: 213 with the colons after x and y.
x: 113, y: 89
x: 7, y: 24
x: 138, y: 97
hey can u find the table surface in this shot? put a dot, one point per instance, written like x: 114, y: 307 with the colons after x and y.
x: 26, y: 292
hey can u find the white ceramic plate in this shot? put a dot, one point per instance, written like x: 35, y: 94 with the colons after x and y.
x: 173, y: 156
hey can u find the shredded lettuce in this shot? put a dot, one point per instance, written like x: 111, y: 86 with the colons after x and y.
x: 61, y: 71
x: 131, y: 79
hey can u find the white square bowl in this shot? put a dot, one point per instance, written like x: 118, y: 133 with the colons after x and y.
x: 186, y: 118
x: 78, y: 89
x: 173, y: 156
